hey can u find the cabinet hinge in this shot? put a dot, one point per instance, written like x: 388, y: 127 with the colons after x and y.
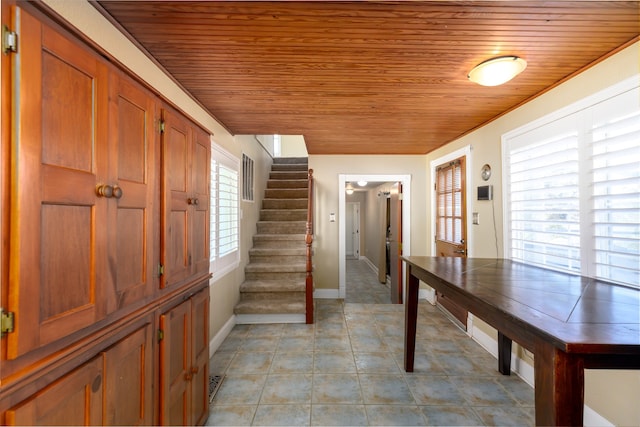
x: 160, y: 270
x: 9, y: 40
x: 7, y: 320
x: 161, y: 126
x: 160, y: 334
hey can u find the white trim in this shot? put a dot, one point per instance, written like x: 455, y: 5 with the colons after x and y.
x: 218, y: 339
x: 461, y: 152
x: 406, y: 220
x: 326, y: 294
x: 252, y: 319
x: 370, y: 264
x: 593, y: 419
x: 586, y: 102
x: 518, y: 366
x: 427, y: 294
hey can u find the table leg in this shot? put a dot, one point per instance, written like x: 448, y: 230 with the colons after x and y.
x: 411, y: 317
x: 504, y: 354
x: 559, y: 386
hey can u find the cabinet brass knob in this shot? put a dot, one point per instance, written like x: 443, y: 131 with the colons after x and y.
x: 104, y: 190
x: 192, y: 201
x: 117, y: 192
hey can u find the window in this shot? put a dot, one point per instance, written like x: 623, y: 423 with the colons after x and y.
x: 224, y: 221
x: 247, y: 178
x: 450, y: 203
x: 573, y: 189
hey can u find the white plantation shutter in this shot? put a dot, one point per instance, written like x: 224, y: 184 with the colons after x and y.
x: 615, y: 199
x: 572, y: 191
x: 545, y: 205
x: 228, y: 210
x: 225, y: 220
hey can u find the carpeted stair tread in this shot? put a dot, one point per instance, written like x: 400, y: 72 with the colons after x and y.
x: 278, y: 251
x: 273, y: 286
x: 273, y: 306
x: 262, y: 237
x: 263, y: 267
x: 288, y: 183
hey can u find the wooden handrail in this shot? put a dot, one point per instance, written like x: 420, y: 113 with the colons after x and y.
x: 309, y: 241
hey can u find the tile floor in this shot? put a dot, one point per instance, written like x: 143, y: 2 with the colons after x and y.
x: 346, y: 369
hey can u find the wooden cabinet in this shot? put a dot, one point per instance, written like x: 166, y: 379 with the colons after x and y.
x: 59, y: 226
x: 184, y: 362
x: 75, y: 399
x: 185, y: 213
x: 129, y: 378
x: 83, y: 194
x: 133, y: 211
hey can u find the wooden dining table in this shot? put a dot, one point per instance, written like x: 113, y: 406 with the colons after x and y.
x: 569, y: 322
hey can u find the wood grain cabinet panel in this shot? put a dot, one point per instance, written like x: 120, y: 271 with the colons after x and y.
x: 132, y: 216
x: 185, y: 214
x: 75, y: 399
x: 184, y: 362
x: 58, y: 224
x: 129, y: 379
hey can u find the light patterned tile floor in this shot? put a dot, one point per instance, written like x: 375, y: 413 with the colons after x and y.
x: 347, y: 369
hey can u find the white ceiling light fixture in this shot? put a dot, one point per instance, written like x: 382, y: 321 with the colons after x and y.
x: 496, y: 71
x: 362, y: 183
x: 349, y: 188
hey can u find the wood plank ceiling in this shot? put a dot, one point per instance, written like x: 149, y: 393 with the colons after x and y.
x: 368, y: 77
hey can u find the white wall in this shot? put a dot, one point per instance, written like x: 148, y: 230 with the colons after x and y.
x: 292, y: 146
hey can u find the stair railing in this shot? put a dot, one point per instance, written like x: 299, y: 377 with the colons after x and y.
x: 309, y: 241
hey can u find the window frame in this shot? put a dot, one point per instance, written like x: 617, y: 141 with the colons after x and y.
x: 578, y: 110
x: 220, y: 266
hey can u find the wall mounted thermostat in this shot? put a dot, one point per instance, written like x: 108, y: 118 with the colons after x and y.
x: 485, y: 192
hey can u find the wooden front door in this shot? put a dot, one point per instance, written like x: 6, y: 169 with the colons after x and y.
x: 451, y: 222
x: 395, y: 243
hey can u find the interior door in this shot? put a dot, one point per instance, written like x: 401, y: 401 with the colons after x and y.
x: 353, y: 230
x: 395, y: 242
x: 451, y: 222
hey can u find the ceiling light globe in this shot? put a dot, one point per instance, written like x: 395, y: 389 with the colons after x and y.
x: 497, y: 71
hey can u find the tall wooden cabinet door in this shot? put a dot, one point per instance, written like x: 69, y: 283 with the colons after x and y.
x: 200, y: 362
x: 175, y: 365
x: 176, y: 212
x: 128, y: 379
x: 75, y: 399
x: 201, y: 181
x: 132, y: 175
x: 58, y: 224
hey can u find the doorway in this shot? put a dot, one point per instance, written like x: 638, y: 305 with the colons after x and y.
x: 352, y: 232
x: 450, y: 199
x: 405, y: 181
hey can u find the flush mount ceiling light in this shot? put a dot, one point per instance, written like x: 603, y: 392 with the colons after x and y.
x: 349, y: 189
x: 362, y: 183
x: 497, y: 71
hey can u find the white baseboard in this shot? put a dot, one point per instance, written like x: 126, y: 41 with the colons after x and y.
x: 217, y: 340
x: 427, y: 294
x: 525, y: 371
x: 326, y: 293
x: 593, y: 419
x: 253, y: 319
x: 370, y: 264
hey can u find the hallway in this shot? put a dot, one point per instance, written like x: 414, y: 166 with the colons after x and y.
x: 362, y: 285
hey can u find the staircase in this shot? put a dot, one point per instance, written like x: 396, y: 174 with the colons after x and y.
x: 274, y: 287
